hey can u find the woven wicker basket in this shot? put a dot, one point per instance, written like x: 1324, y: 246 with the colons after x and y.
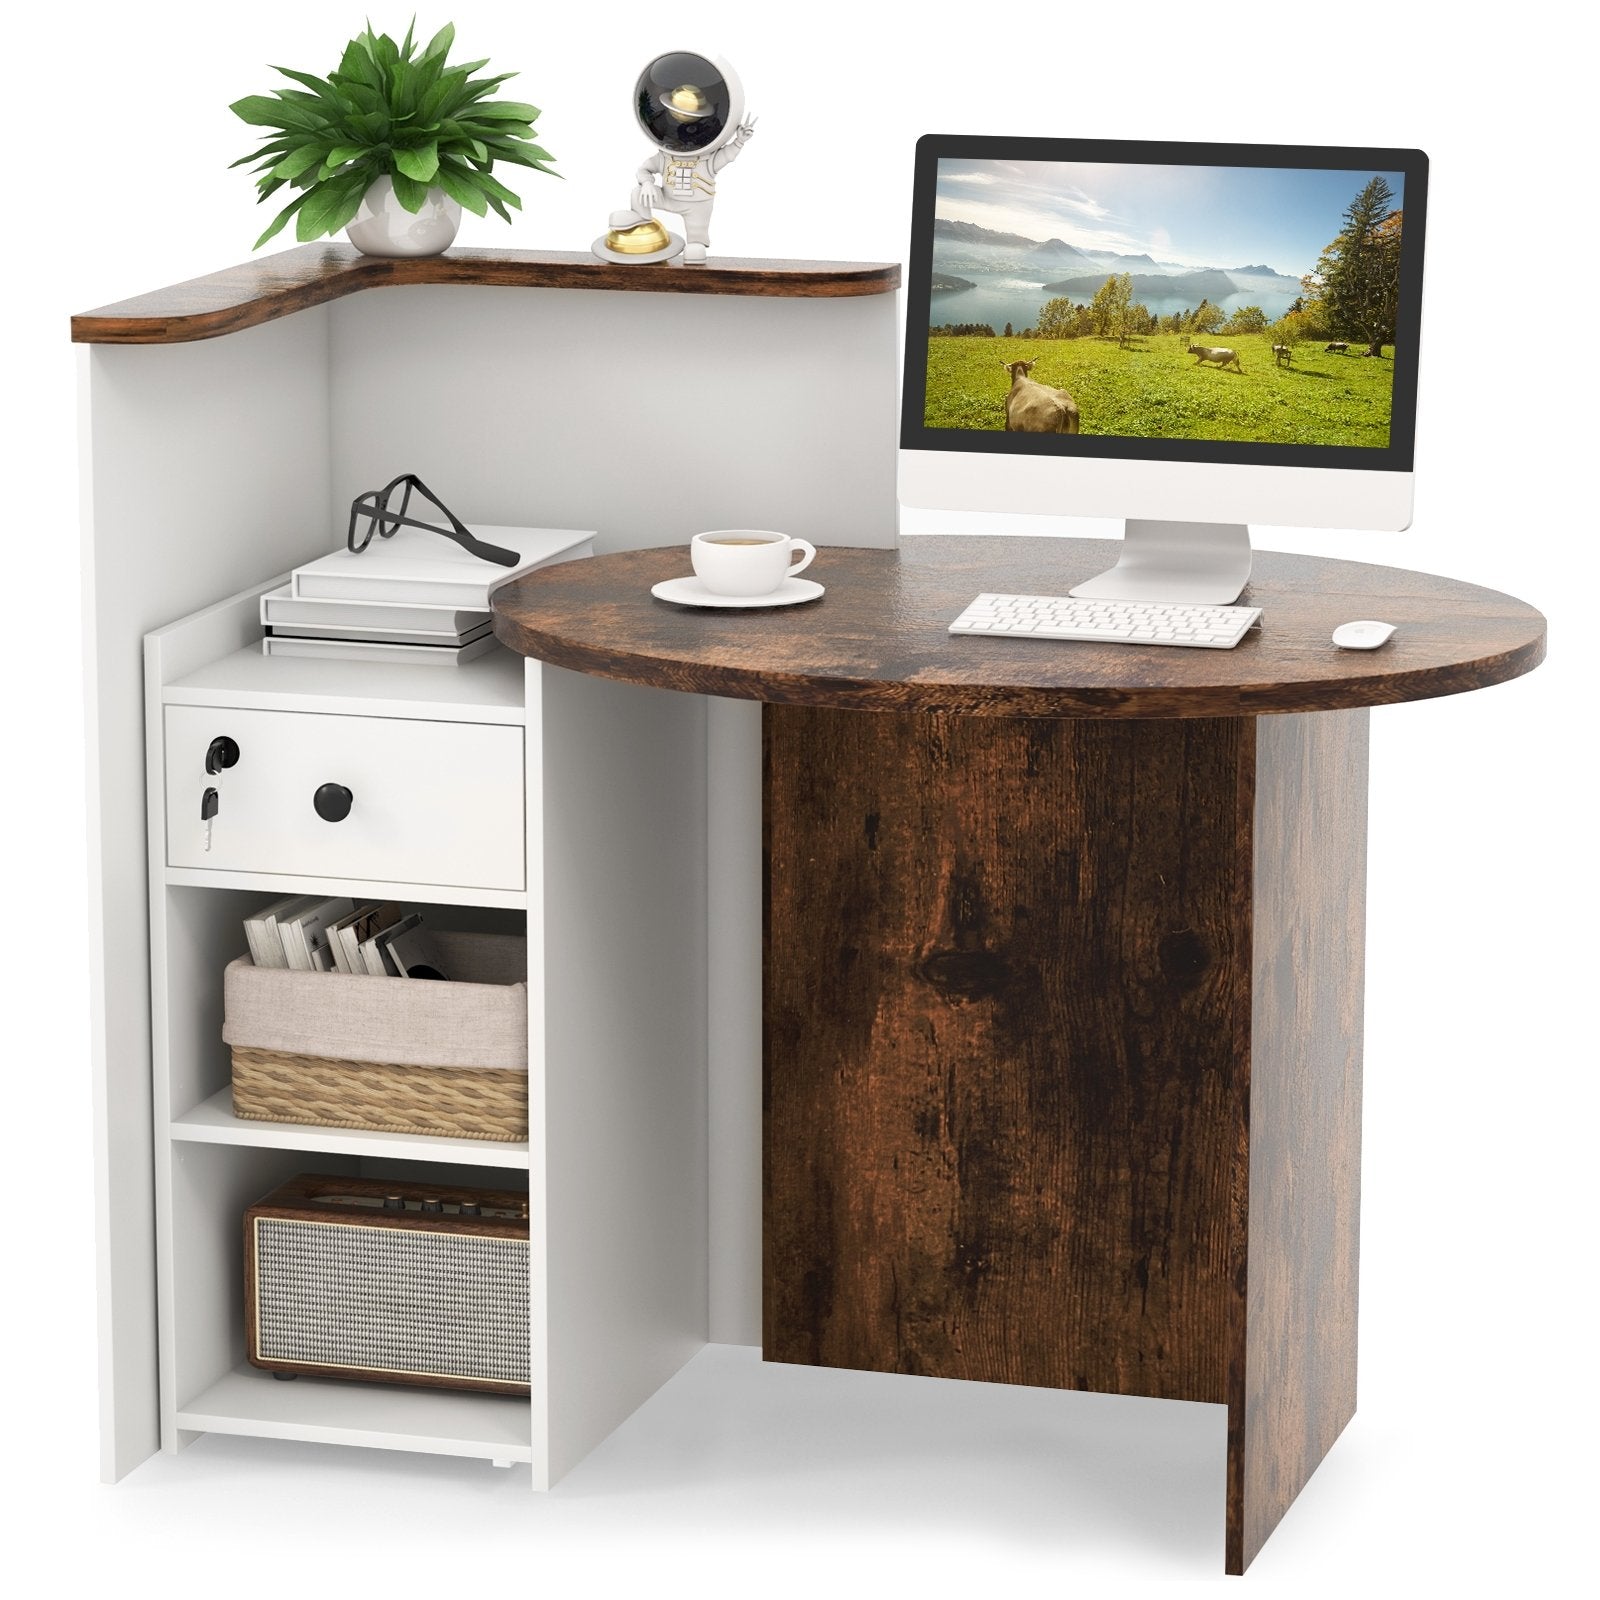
x: 388, y: 1054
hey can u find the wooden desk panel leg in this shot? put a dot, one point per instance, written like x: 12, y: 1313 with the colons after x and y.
x: 1007, y: 998
x: 1062, y: 1036
x: 1292, y: 1372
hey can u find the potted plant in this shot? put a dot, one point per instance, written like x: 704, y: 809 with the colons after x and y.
x: 390, y: 145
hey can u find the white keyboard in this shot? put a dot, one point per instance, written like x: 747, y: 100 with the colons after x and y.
x: 1043, y: 616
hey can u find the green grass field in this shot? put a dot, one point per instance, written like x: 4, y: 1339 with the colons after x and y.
x: 1153, y: 390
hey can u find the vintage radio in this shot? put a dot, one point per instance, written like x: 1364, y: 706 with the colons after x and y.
x: 391, y: 1282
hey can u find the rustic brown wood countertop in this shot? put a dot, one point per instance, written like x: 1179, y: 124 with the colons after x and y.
x: 877, y: 639
x: 291, y: 280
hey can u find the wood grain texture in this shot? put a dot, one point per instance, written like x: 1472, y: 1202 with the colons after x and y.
x: 278, y: 285
x: 1007, y: 983
x: 1292, y: 1371
x: 878, y: 638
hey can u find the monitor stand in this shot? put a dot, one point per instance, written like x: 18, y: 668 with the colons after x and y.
x: 1200, y: 563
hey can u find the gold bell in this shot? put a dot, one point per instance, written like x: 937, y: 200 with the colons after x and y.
x: 642, y: 239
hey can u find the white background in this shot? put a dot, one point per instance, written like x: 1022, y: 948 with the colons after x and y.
x: 1469, y: 1461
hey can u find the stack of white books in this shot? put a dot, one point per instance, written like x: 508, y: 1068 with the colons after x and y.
x: 415, y: 597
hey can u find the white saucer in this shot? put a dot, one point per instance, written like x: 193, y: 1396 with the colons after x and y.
x: 692, y: 592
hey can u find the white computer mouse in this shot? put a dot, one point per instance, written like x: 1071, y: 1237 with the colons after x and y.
x: 1362, y: 635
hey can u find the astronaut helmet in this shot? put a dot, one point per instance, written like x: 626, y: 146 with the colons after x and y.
x: 688, y: 104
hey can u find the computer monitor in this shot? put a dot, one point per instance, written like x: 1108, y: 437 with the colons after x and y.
x: 1192, y: 337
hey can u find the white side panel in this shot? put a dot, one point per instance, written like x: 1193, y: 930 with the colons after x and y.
x: 1162, y: 491
x: 207, y: 470
x: 620, y: 1062
x: 648, y: 417
x: 733, y: 945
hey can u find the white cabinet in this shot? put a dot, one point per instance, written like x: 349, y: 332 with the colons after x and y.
x: 228, y: 423
x: 429, y: 802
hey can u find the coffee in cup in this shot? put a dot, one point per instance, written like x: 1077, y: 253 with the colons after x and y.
x: 747, y: 562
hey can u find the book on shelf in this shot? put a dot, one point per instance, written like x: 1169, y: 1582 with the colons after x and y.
x: 373, y: 960
x: 378, y: 951
x: 262, y: 934
x: 365, y: 619
x: 451, y: 641
x: 400, y: 655
x: 347, y: 935
x: 409, y: 948
x: 319, y: 933
x: 304, y: 931
x: 415, y: 567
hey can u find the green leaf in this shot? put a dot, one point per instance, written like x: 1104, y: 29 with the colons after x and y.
x: 490, y: 131
x: 268, y: 111
x: 479, y: 87
x: 326, y: 203
x: 344, y: 214
x: 500, y: 208
x: 357, y: 65
x: 405, y: 49
x: 410, y: 193
x: 439, y: 44
x: 421, y: 163
x: 461, y: 191
x: 279, y: 220
x: 361, y: 97
x: 507, y: 111
x: 347, y: 160
x: 495, y: 189
x: 319, y: 86
x: 341, y: 153
x: 297, y: 161
x: 269, y: 153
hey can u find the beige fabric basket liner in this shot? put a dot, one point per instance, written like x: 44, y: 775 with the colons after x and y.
x: 479, y: 1019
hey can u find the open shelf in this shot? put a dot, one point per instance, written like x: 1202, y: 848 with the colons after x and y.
x: 443, y: 1422
x: 488, y: 689
x: 213, y: 1122
x: 276, y: 884
x: 278, y: 285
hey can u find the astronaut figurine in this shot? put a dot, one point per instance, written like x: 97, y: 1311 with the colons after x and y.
x: 691, y: 108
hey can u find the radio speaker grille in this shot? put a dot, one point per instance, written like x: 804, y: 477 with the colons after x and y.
x: 445, y: 1305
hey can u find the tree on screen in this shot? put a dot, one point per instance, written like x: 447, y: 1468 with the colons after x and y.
x: 1109, y: 308
x: 1357, y: 280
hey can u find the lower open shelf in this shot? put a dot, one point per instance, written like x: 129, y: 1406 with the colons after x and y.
x: 213, y: 1122
x: 444, y: 1422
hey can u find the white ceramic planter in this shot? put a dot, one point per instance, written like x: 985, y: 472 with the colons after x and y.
x: 383, y: 227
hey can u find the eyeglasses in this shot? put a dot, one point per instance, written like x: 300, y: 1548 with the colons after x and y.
x: 376, y: 510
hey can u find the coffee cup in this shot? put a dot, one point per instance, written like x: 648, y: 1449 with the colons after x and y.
x: 747, y: 562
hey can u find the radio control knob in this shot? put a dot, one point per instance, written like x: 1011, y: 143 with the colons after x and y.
x: 393, y: 1202
x: 433, y: 1203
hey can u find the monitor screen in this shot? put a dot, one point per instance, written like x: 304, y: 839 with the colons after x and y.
x: 1237, y: 304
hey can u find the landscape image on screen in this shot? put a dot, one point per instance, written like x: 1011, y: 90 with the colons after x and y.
x: 1165, y: 302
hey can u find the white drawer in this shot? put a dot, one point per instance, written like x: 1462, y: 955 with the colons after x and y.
x: 431, y: 802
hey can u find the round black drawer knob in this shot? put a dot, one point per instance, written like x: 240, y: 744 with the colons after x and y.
x: 333, y: 802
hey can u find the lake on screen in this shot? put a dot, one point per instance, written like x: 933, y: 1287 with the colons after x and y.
x: 999, y: 298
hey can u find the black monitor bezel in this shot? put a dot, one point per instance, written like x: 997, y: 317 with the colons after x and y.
x: 1396, y: 457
